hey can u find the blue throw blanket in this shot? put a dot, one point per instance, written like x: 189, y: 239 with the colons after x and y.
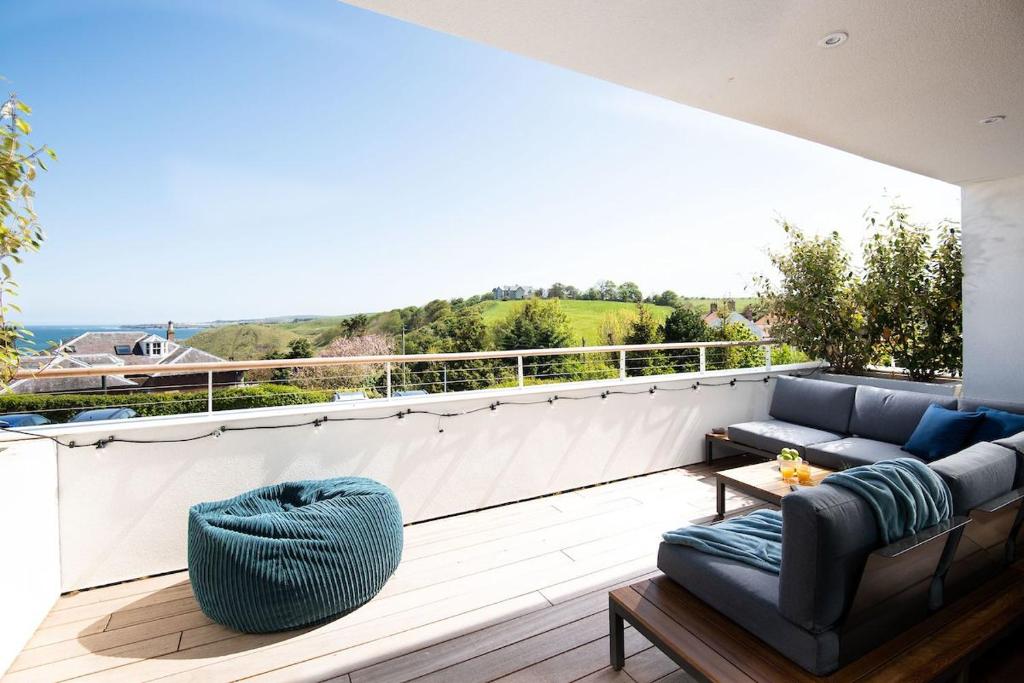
x: 755, y: 539
x: 905, y: 495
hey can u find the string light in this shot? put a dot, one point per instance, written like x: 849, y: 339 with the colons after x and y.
x: 317, y: 423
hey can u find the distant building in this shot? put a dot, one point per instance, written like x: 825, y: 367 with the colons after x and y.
x: 514, y: 293
x: 124, y: 349
x: 714, y: 319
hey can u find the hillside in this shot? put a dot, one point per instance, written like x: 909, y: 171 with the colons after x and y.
x: 586, y: 317
x: 243, y: 342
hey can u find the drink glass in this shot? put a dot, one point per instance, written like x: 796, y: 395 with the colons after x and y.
x: 803, y: 472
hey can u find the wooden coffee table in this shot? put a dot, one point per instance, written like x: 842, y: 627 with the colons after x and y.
x: 761, y: 481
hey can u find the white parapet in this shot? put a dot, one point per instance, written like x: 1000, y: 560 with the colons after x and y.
x: 124, y: 507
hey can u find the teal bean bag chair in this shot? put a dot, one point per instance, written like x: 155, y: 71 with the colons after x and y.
x: 293, y: 554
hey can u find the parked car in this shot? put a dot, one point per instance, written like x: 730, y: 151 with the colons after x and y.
x: 342, y: 396
x: 23, y: 420
x: 104, y: 414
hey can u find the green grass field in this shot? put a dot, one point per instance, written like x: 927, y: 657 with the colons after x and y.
x: 586, y: 317
x: 243, y: 342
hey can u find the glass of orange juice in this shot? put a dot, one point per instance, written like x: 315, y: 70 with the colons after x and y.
x: 803, y: 472
x: 787, y: 468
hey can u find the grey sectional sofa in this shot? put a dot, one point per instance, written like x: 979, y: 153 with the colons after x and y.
x: 812, y: 611
x: 840, y: 425
x: 807, y: 612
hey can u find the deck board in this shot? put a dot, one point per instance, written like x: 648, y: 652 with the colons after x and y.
x: 518, y: 591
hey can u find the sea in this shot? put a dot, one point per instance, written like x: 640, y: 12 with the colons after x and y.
x: 45, y: 336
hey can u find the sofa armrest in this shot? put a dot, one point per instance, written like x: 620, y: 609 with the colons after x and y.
x: 999, y: 502
x: 910, y: 543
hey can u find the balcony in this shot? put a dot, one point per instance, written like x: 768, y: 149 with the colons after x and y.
x: 516, y: 591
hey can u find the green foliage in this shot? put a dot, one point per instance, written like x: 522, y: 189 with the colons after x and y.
x: 817, y: 305
x: 734, y: 356
x: 905, y: 307
x: 684, y: 325
x: 644, y: 329
x: 61, y: 407
x: 630, y: 292
x: 912, y: 295
x: 537, y: 324
x: 20, y: 232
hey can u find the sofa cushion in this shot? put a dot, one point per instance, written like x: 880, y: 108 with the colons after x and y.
x: 997, y: 424
x: 749, y: 597
x: 976, y: 474
x: 942, y: 432
x: 827, y: 534
x: 852, y: 452
x: 813, y: 403
x: 973, y: 404
x: 774, y: 435
x: 1016, y: 444
x: 890, y: 414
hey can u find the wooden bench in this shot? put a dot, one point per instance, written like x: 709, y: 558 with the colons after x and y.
x: 711, y: 647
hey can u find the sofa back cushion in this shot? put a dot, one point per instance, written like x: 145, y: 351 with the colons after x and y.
x: 997, y: 424
x: 890, y: 414
x: 972, y: 404
x: 942, y: 432
x: 813, y: 403
x: 1015, y: 444
x: 827, y: 534
x: 977, y: 474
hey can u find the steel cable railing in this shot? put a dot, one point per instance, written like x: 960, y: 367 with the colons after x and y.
x: 262, y: 383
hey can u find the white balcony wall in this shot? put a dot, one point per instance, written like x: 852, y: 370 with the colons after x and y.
x: 123, y: 508
x: 30, y: 565
x: 993, y: 236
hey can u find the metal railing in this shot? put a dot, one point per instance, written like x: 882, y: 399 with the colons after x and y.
x: 386, y: 376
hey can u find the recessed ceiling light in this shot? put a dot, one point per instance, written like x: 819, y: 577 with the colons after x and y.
x: 834, y: 39
x: 993, y: 119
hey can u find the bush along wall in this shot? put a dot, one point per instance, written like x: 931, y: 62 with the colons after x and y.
x: 61, y: 407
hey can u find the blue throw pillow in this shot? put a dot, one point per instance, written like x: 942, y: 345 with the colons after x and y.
x: 941, y: 432
x: 998, y: 424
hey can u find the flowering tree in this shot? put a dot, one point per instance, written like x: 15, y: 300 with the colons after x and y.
x: 20, y: 231
x: 348, y: 376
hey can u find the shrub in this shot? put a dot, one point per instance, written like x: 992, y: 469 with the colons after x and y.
x: 61, y: 407
x: 817, y: 304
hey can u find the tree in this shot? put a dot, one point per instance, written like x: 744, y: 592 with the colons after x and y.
x: 537, y: 324
x: 571, y: 292
x: 816, y: 305
x: 630, y: 291
x: 556, y: 291
x: 20, y: 231
x: 667, y: 298
x: 607, y: 290
x: 685, y: 324
x: 735, y: 356
x: 644, y: 329
x: 362, y: 376
x: 356, y: 325
x: 912, y: 294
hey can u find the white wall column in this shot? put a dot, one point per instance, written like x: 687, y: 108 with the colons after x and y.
x: 30, y: 569
x: 993, y: 235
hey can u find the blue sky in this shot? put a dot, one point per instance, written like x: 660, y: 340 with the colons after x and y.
x: 255, y: 158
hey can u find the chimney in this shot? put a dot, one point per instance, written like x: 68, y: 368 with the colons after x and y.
x: 170, y: 330
x: 713, y: 308
x: 731, y: 303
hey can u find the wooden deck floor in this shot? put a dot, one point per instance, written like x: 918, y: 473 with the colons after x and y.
x: 517, y: 593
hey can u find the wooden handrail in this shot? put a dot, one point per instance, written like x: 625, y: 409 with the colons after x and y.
x: 327, y: 361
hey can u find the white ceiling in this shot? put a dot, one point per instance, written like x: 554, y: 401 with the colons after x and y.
x: 907, y: 89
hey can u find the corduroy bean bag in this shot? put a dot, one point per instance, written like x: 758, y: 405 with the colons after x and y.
x: 293, y: 554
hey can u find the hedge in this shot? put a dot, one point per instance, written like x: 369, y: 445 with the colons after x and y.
x: 60, y: 407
